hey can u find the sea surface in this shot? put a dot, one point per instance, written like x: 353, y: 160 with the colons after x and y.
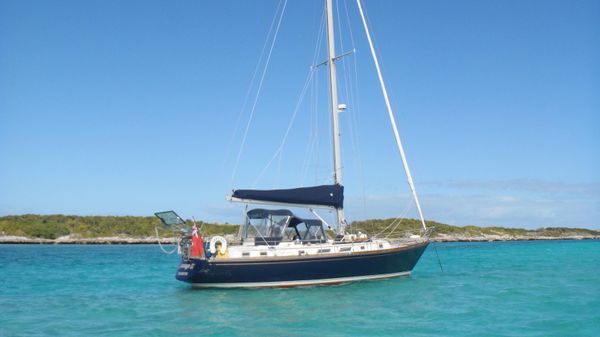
x: 485, y: 289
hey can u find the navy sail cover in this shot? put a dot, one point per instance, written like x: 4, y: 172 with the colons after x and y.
x: 323, y: 195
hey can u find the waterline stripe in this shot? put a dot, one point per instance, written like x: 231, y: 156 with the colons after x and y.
x: 298, y: 282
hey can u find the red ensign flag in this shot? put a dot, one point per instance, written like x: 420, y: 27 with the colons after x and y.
x: 197, y: 244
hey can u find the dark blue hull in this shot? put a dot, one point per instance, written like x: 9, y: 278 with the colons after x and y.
x: 298, y: 271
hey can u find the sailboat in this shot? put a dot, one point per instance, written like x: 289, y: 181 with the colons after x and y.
x: 277, y: 248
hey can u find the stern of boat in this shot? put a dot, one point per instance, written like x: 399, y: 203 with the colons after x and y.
x: 189, y: 269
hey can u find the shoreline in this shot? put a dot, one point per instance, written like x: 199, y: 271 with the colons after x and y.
x: 511, y: 238
x: 154, y: 240
x: 83, y: 241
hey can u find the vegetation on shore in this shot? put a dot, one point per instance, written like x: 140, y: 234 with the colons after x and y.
x: 403, y: 227
x: 55, y: 226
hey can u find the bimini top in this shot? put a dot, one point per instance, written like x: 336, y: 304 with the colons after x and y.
x: 323, y: 195
x: 261, y: 213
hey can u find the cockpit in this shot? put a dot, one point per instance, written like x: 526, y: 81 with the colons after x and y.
x: 270, y: 227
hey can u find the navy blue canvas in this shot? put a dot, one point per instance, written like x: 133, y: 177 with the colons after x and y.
x: 323, y: 195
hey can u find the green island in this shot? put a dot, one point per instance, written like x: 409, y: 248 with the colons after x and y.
x: 32, y: 228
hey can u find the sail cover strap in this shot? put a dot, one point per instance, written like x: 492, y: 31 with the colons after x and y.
x: 323, y: 195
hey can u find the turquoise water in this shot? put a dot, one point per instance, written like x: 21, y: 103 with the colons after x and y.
x: 486, y: 289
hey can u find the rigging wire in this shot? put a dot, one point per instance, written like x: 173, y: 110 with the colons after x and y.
x: 260, y: 84
x: 313, y: 142
x: 355, y: 112
x: 290, y: 124
x: 402, y: 217
x: 313, y: 123
x: 351, y: 89
x: 344, y: 73
x: 251, y: 85
x: 346, y: 80
x: 392, y: 118
x: 399, y: 220
x: 308, y: 83
x: 314, y: 116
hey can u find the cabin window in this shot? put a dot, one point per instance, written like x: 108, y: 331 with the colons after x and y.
x: 270, y: 226
x: 277, y: 226
x: 290, y: 234
x: 314, y: 233
x: 256, y: 227
x: 301, y: 228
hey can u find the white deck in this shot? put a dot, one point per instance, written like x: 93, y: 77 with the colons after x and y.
x: 296, y: 248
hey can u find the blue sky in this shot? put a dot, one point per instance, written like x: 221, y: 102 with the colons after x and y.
x: 115, y: 108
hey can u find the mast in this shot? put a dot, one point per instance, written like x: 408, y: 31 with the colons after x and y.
x: 337, y: 156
